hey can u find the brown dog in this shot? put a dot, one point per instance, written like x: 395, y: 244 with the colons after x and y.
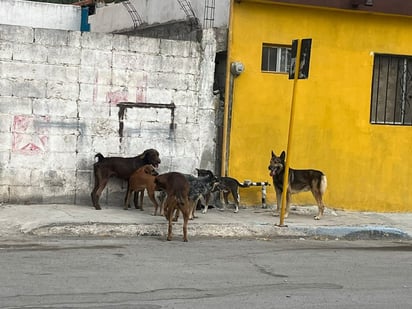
x: 141, y: 179
x: 119, y: 167
x: 176, y: 187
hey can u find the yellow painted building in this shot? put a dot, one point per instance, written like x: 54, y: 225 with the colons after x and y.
x: 353, y: 115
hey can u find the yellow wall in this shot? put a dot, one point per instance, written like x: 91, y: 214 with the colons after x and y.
x: 369, y: 167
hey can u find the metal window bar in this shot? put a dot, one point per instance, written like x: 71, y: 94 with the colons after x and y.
x: 187, y: 8
x: 137, y: 20
x: 392, y: 90
x: 209, y: 16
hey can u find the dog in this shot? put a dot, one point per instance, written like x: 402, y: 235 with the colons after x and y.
x: 118, y: 167
x: 226, y: 185
x: 200, y: 187
x: 141, y: 179
x: 299, y: 181
x: 177, y: 189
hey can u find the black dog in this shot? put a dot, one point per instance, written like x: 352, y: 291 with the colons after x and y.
x: 226, y: 185
x: 119, y: 167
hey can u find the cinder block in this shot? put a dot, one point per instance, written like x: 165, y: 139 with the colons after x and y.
x: 58, y: 161
x: 61, y: 90
x: 6, y: 140
x: 144, y: 45
x: 4, y: 193
x: 29, y: 89
x: 6, y: 88
x: 30, y: 53
x: 19, y: 176
x: 63, y: 55
x: 16, y: 34
x: 96, y: 58
x: 120, y: 43
x: 63, y: 73
x: 62, y: 143
x: 96, y: 41
x: 55, y: 107
x: 25, y: 195
x: 95, y: 75
x: 6, y: 50
x: 51, y: 37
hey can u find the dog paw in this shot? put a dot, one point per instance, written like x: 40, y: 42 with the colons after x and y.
x: 316, y: 217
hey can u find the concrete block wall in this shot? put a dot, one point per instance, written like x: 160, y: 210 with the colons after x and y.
x: 40, y: 14
x: 59, y: 92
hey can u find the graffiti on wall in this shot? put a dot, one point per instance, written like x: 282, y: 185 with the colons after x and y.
x: 29, y: 136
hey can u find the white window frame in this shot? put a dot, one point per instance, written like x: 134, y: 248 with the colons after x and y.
x: 282, y: 61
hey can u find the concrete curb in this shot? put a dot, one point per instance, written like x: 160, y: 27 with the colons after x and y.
x: 219, y: 230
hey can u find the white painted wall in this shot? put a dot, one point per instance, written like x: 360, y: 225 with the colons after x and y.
x: 58, y: 96
x: 40, y: 15
x: 114, y: 17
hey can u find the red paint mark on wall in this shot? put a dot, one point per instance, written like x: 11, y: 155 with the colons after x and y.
x: 141, y: 90
x: 30, y: 134
x: 115, y: 97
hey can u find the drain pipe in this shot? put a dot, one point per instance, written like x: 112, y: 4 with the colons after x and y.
x: 236, y: 68
x: 228, y: 98
x: 233, y: 70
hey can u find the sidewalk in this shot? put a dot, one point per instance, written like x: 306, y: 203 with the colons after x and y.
x: 84, y: 220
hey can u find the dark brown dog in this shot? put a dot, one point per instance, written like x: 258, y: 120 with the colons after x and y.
x: 141, y: 179
x: 176, y: 187
x: 119, y: 167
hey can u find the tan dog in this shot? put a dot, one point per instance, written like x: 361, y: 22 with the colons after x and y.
x: 176, y: 187
x: 143, y: 178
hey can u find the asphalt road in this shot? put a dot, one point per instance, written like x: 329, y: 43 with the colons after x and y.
x: 149, y: 272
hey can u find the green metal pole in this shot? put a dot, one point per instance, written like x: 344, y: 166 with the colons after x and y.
x: 290, y: 136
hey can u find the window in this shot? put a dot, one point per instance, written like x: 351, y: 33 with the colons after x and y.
x: 391, y: 90
x: 275, y: 58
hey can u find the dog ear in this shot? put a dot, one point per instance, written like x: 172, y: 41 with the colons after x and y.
x: 283, y: 155
x: 273, y: 154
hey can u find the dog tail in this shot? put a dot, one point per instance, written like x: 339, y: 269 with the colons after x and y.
x: 99, y: 157
x: 180, y: 200
x: 323, y: 184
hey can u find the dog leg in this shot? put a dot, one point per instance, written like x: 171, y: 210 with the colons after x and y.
x: 153, y: 199
x: 288, y: 196
x: 207, y: 199
x: 185, y: 212
x: 204, y: 211
x: 169, y: 207
x: 141, y: 195
x: 127, y: 199
x: 97, y: 191
x: 278, y: 202
x: 225, y: 200
x: 236, y: 197
x: 169, y: 231
x: 321, y: 207
x: 192, y: 207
